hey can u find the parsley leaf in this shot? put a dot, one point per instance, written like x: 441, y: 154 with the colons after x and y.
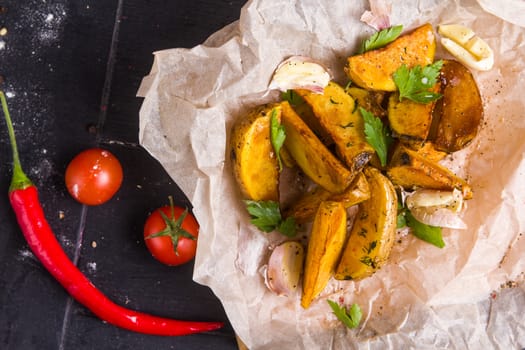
x: 266, y: 216
x: 287, y: 227
x: 414, y: 83
x: 427, y: 233
x: 351, y: 318
x: 381, y: 38
x: 277, y: 136
x: 377, y: 134
x: 401, y: 220
x: 292, y: 97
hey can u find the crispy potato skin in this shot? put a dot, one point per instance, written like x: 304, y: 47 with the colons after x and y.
x: 311, y: 155
x: 373, y: 232
x: 255, y: 164
x: 303, y: 210
x: 374, y: 69
x: 324, y: 249
x: 338, y: 115
x: 410, y: 170
x: 459, y: 112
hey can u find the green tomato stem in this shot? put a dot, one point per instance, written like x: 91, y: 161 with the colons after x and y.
x: 174, y: 229
x: 19, y: 181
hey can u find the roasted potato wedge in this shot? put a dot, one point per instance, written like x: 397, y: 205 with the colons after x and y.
x: 409, y: 120
x: 324, y: 249
x: 338, y: 114
x: 458, y: 114
x: 255, y: 164
x: 370, y: 100
x: 373, y: 231
x: 306, y: 113
x: 314, y: 159
x: 429, y: 152
x: 411, y: 170
x: 373, y: 69
x: 304, y: 209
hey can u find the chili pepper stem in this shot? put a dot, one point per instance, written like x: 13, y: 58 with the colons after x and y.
x: 19, y: 180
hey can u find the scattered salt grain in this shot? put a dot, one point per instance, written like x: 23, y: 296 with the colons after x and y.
x: 92, y: 266
x: 24, y: 254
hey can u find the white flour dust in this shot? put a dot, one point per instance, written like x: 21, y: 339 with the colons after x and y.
x: 44, y: 20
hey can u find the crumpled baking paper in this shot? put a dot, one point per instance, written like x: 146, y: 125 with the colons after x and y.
x: 425, y: 297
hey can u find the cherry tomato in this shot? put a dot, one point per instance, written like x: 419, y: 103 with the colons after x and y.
x: 93, y: 176
x: 170, y: 233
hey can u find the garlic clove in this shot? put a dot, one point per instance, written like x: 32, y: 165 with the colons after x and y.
x: 300, y: 72
x: 458, y: 33
x: 478, y: 48
x: 467, y: 58
x: 437, y: 208
x: 463, y: 43
x: 439, y: 217
x: 285, y: 268
x: 451, y: 200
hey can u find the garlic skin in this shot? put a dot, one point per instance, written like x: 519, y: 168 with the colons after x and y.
x: 300, y: 72
x: 285, y: 268
x: 437, y: 208
x: 466, y: 46
x: 379, y: 15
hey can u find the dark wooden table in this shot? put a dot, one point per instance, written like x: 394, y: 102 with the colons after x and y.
x: 71, y: 70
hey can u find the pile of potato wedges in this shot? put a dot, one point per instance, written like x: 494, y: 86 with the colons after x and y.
x: 325, y: 139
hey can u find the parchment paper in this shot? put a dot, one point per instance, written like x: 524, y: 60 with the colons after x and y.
x: 424, y: 297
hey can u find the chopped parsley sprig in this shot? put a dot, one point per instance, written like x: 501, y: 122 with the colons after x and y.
x: 415, y: 83
x: 430, y: 234
x: 381, y: 38
x: 350, y: 317
x: 277, y: 136
x: 377, y: 134
x: 266, y: 216
x: 427, y: 233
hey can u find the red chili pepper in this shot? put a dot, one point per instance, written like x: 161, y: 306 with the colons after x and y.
x: 42, y: 241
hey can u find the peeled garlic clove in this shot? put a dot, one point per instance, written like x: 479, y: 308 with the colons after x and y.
x: 439, y: 217
x: 285, y: 268
x: 458, y: 33
x: 451, y: 200
x: 466, y: 57
x: 466, y: 46
x: 478, y: 47
x: 437, y: 208
x: 299, y: 72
